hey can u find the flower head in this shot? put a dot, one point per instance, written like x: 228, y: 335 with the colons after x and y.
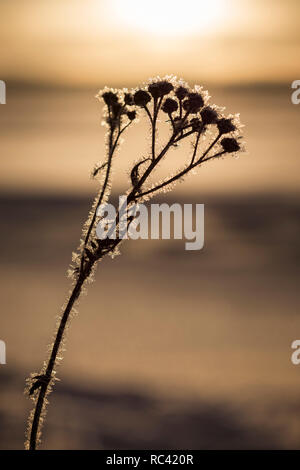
x: 170, y: 106
x: 131, y: 115
x: 181, y: 92
x: 128, y: 98
x: 141, y: 98
x: 193, y: 103
x: 225, y: 126
x: 159, y: 89
x: 208, y: 115
x: 230, y: 144
x: 110, y: 98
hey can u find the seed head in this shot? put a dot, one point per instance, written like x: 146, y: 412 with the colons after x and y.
x: 131, y: 115
x: 225, y: 126
x: 159, y: 89
x: 110, y: 98
x: 193, y: 103
x: 141, y: 98
x: 128, y: 98
x: 181, y: 92
x: 170, y: 106
x: 230, y: 144
x: 208, y: 115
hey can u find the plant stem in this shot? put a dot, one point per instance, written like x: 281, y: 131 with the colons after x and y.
x: 179, y: 175
x: 84, y: 272
x: 83, y: 275
x: 52, y: 360
x: 106, y: 180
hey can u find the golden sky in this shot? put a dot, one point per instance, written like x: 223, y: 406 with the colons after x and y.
x: 92, y: 42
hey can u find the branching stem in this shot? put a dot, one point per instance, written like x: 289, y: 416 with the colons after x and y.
x: 88, y: 258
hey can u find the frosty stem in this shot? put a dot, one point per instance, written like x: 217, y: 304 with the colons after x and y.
x: 83, y: 274
x: 85, y: 270
x: 89, y: 256
x: 51, y: 363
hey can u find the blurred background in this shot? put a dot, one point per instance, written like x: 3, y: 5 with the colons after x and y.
x: 171, y: 349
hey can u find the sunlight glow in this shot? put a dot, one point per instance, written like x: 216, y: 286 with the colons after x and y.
x: 170, y: 17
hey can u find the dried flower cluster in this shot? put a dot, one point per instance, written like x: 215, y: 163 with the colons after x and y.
x: 190, y: 116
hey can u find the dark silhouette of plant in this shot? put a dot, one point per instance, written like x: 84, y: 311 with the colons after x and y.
x: 189, y: 116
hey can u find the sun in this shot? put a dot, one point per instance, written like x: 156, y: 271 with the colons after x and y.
x: 170, y: 17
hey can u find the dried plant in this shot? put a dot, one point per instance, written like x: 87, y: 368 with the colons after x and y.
x: 189, y: 116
